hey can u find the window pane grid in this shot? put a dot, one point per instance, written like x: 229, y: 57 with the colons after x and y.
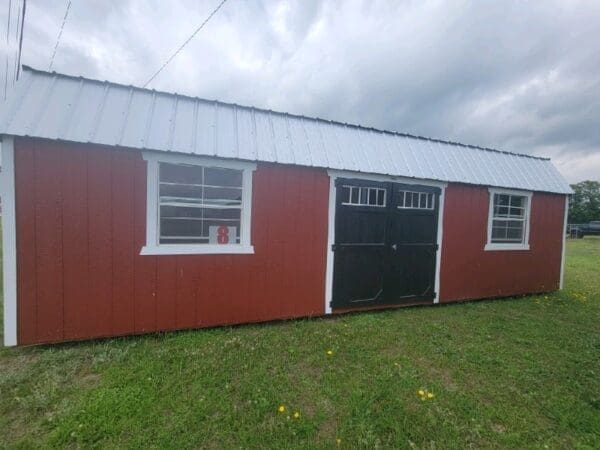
x: 415, y: 200
x: 196, y: 203
x: 363, y: 196
x: 509, y: 216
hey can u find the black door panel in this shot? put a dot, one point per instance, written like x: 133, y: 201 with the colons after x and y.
x: 385, y: 243
x: 359, y: 274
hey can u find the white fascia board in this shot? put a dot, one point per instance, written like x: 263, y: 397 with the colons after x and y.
x: 564, y: 244
x: 385, y: 178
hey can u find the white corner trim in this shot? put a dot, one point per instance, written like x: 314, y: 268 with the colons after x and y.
x: 440, y: 235
x: 153, y: 247
x: 564, y: 244
x: 489, y: 246
x: 330, y: 241
x: 9, y: 248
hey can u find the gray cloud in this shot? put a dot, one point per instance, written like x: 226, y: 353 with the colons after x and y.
x: 520, y: 76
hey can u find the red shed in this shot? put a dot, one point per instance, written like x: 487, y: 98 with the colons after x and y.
x: 128, y: 210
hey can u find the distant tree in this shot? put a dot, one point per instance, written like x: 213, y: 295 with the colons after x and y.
x: 584, y: 205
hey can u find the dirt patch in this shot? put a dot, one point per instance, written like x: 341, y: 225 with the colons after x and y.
x: 90, y: 379
x: 498, y: 428
x: 19, y: 361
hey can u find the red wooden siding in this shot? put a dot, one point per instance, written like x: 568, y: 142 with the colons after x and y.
x: 469, y: 272
x: 81, y: 213
x: 81, y: 222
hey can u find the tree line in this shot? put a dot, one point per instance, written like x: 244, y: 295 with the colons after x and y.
x: 584, y: 204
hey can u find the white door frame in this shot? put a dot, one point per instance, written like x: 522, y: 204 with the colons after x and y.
x: 333, y: 175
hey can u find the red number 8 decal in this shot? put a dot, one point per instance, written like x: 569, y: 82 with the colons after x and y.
x: 223, y: 234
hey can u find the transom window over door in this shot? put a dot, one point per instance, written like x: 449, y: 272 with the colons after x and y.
x: 508, y: 220
x: 197, y: 205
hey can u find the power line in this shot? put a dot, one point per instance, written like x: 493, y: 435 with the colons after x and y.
x: 21, y: 38
x: 184, y: 44
x: 7, y: 42
x: 16, y: 48
x: 59, y: 35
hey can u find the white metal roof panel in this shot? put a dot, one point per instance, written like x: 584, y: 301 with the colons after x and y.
x: 55, y: 106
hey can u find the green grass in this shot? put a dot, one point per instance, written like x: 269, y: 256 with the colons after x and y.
x: 520, y: 373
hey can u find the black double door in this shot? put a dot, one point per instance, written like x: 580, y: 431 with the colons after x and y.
x: 385, y: 243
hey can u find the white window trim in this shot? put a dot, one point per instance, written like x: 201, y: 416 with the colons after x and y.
x: 153, y: 247
x: 489, y: 246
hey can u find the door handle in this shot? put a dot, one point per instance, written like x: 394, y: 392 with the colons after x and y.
x: 394, y: 247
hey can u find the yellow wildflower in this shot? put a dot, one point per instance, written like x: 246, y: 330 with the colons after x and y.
x: 296, y: 415
x: 329, y: 352
x: 281, y: 408
x: 338, y: 441
x: 421, y: 392
x: 429, y: 395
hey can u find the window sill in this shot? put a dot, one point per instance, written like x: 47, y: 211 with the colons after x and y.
x: 495, y: 247
x: 197, y: 249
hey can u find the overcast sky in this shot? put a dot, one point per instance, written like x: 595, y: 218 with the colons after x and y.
x: 514, y: 75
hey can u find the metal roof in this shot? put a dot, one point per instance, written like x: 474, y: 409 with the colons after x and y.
x: 62, y: 107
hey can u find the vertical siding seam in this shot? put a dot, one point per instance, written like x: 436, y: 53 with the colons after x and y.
x: 87, y: 220
x: 87, y: 217
x: 155, y: 293
x: 176, y: 291
x: 112, y: 252
x: 62, y: 240
x: 35, y: 249
x: 133, y: 258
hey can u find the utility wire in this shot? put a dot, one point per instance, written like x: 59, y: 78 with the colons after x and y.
x: 16, y: 69
x: 21, y: 38
x: 59, y: 35
x: 7, y: 42
x: 185, y: 43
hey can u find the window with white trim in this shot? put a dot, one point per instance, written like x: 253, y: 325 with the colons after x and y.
x: 197, y: 205
x: 508, y: 220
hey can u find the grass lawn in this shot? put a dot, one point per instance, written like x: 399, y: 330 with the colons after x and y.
x: 519, y: 373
